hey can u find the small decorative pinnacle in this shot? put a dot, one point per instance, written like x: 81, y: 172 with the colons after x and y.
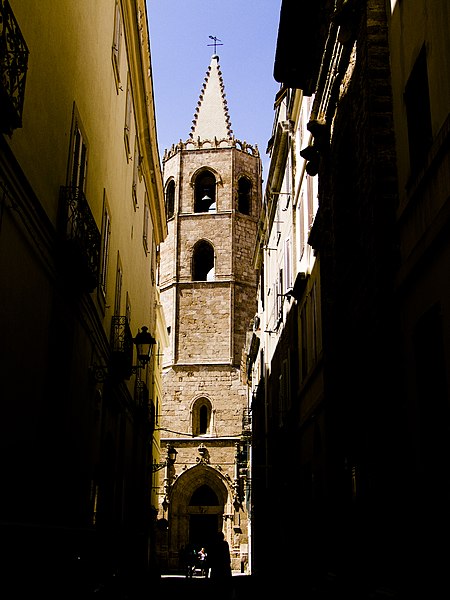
x: 216, y: 43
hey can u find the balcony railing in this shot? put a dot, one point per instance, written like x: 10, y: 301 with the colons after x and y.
x: 121, y: 347
x: 81, y: 238
x: 13, y: 69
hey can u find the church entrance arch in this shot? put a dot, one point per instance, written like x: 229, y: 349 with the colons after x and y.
x: 200, y: 499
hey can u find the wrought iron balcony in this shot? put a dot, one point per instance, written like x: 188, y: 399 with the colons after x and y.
x: 121, y: 348
x: 13, y: 69
x: 119, y: 365
x: 81, y: 238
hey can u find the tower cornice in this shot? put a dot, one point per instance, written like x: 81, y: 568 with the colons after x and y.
x: 211, y: 144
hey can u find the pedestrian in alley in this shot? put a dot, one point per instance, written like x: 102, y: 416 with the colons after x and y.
x: 219, y: 559
x: 203, y: 562
x: 190, y: 561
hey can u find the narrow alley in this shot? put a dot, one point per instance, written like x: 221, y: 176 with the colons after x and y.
x: 234, y: 347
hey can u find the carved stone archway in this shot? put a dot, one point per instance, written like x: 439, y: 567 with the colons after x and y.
x: 183, y: 515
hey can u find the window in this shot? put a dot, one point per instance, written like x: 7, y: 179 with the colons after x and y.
x: 118, y: 292
x: 278, y: 298
x: 128, y: 115
x: 244, y: 195
x: 314, y: 323
x: 278, y: 223
x: 203, y: 262
x: 128, y: 308
x: 302, y: 234
x: 304, y: 344
x: 78, y: 167
x: 262, y: 286
x: 170, y: 199
x: 418, y: 114
x: 146, y: 231
x: 201, y: 417
x: 205, y: 192
x: 117, y: 37
x: 135, y: 173
x: 154, y: 260
x: 76, y: 224
x: 310, y: 199
x: 287, y: 266
x: 106, y: 234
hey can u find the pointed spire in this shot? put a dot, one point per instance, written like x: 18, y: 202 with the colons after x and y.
x: 211, y: 119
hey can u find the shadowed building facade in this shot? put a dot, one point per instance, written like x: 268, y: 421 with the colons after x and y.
x: 81, y: 220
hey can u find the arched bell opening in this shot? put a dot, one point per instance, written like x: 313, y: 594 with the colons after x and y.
x: 205, y: 192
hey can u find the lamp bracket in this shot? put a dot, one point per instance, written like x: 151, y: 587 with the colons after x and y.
x: 158, y: 466
x: 288, y: 293
x: 101, y: 373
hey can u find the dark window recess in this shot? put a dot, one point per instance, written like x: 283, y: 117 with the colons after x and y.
x: 170, y: 199
x: 202, y: 261
x: 203, y: 419
x: 205, y: 193
x: 418, y: 113
x: 262, y: 286
x: 244, y: 195
x: 201, y: 416
x: 79, y: 160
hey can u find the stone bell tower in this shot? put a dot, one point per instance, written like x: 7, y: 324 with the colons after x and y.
x: 208, y: 290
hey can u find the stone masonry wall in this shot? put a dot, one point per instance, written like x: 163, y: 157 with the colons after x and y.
x: 221, y: 385
x: 204, y: 323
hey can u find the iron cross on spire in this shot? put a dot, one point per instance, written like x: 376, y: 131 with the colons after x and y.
x: 216, y: 40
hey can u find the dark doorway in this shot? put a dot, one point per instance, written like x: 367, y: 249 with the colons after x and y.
x: 202, y: 530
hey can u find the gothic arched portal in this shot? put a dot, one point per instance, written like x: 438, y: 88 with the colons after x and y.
x: 200, y: 497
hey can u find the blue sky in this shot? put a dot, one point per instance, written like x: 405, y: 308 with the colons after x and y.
x: 179, y: 38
